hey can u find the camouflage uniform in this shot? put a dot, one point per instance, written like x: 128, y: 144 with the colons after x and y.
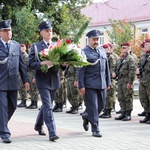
x: 110, y: 99
x: 126, y: 74
x: 144, y: 86
x: 22, y: 92
x: 74, y: 97
x: 33, y: 92
x: 61, y: 94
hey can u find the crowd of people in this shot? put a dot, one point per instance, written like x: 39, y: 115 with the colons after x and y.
x: 94, y: 86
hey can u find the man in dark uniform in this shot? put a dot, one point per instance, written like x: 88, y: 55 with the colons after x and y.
x: 93, y: 82
x: 11, y: 64
x: 47, y: 83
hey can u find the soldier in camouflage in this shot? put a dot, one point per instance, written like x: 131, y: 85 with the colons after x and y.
x: 138, y: 75
x: 112, y: 91
x: 125, y: 72
x: 22, y: 92
x: 144, y: 79
x: 33, y: 92
x: 74, y: 97
x: 61, y: 94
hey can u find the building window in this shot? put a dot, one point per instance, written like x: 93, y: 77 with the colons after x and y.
x: 144, y: 30
x: 101, y: 40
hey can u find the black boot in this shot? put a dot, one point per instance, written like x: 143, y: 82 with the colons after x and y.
x: 121, y: 116
x: 127, y: 116
x: 69, y: 111
x: 22, y: 104
x: 147, y: 116
x: 33, y: 105
x: 80, y: 106
x: 148, y: 121
x: 142, y: 114
x: 59, y: 108
x: 118, y: 112
x: 74, y: 110
x: 108, y: 114
x: 55, y: 107
x: 104, y: 113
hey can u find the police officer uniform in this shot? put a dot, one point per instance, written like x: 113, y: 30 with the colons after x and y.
x: 47, y: 84
x: 94, y: 78
x: 11, y: 64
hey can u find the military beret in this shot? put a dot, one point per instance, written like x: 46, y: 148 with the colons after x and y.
x: 105, y: 46
x: 5, y: 24
x: 147, y: 41
x: 111, y: 45
x: 23, y: 45
x: 142, y: 45
x: 45, y: 25
x: 125, y: 44
x: 93, y: 34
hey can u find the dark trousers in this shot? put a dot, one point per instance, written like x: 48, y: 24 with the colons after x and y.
x: 8, y: 104
x: 95, y: 100
x: 46, y: 113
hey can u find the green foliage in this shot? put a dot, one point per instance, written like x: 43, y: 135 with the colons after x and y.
x: 68, y: 22
x: 25, y: 30
x: 122, y: 31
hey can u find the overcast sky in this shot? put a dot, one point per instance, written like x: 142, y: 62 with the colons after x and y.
x: 97, y: 1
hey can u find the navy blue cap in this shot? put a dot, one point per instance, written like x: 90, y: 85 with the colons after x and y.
x: 5, y: 24
x: 45, y: 25
x: 93, y: 34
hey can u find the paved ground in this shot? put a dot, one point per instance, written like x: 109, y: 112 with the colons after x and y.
x: 117, y: 135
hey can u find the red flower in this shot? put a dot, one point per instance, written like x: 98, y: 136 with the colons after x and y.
x: 68, y: 41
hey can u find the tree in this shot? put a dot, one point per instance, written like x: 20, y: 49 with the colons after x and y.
x: 63, y: 13
x: 122, y: 31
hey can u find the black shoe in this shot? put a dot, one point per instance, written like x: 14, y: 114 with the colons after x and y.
x: 58, y: 110
x: 7, y: 140
x: 126, y: 118
x: 96, y: 134
x: 120, y: 117
x: 69, y: 111
x: 142, y: 114
x: 22, y: 104
x: 119, y: 112
x: 53, y: 138
x: 144, y: 120
x: 74, y: 111
x: 41, y: 132
x: 32, y: 107
x: 85, y: 123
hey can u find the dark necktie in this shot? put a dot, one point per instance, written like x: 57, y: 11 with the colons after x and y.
x: 48, y: 44
x: 7, y: 46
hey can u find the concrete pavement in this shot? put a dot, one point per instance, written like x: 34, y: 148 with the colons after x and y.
x: 117, y: 135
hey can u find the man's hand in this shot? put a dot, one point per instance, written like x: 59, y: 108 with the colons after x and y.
x: 82, y: 91
x: 27, y: 86
x: 33, y: 80
x: 129, y: 86
x: 137, y: 71
x: 114, y: 75
x: 108, y: 87
x: 47, y: 62
x: 75, y: 83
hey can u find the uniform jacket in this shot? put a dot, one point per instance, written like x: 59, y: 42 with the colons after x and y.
x: 10, y: 69
x: 127, y: 69
x: 95, y: 76
x: 145, y: 71
x: 49, y: 80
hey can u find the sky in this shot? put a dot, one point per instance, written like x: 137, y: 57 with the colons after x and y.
x: 94, y: 1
